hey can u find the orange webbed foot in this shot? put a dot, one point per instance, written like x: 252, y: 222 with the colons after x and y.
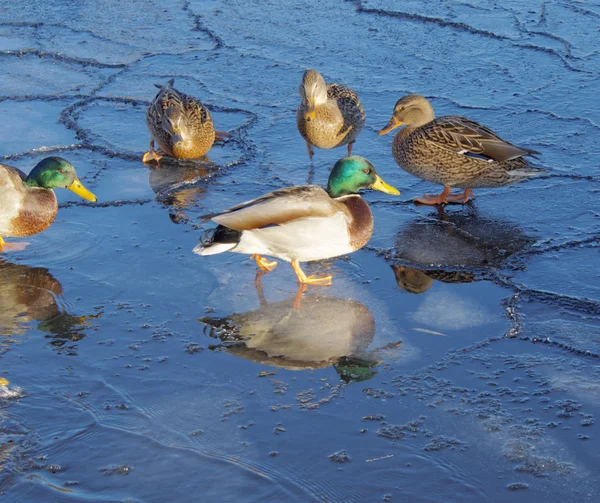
x: 152, y: 155
x: 313, y: 280
x: 433, y: 199
x: 263, y: 263
x: 463, y: 198
x: 12, y: 247
x: 310, y: 280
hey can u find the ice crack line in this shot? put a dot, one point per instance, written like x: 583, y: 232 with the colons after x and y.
x: 464, y: 28
x: 60, y: 57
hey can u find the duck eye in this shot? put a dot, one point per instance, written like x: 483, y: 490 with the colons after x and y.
x: 366, y: 171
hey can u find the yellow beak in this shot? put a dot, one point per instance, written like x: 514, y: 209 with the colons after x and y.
x: 310, y: 113
x: 392, y: 124
x: 384, y: 187
x: 81, y: 191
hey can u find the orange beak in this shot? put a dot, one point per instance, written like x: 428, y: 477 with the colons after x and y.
x: 392, y: 124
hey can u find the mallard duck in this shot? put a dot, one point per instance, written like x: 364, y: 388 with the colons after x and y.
x: 181, y: 125
x: 301, y: 223
x: 28, y: 204
x: 330, y: 115
x: 283, y: 335
x: 453, y: 151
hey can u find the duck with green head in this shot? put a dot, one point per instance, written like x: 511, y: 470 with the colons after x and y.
x: 301, y: 223
x: 28, y: 204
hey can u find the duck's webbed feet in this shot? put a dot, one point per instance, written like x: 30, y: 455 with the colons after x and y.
x: 310, y: 280
x: 433, y: 199
x: 12, y: 247
x: 152, y: 155
x: 445, y: 197
x: 263, y: 263
x: 463, y: 198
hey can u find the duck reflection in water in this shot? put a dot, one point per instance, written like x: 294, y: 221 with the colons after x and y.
x: 174, y: 182
x: 454, y: 248
x: 309, y: 333
x: 32, y: 294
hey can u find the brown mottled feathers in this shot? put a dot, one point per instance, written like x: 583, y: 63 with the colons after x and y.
x: 279, y: 207
x: 462, y: 135
x: 337, y: 123
x: 197, y: 127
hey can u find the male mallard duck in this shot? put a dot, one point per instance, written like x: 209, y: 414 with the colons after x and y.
x: 180, y: 124
x: 280, y: 334
x: 301, y: 223
x: 453, y: 151
x: 27, y: 203
x: 330, y: 115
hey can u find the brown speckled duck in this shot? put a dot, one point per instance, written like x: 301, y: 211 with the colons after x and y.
x: 330, y: 115
x: 453, y: 151
x: 181, y: 125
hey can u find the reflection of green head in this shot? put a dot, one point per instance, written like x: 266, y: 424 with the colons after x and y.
x: 64, y: 328
x: 353, y: 173
x: 353, y: 369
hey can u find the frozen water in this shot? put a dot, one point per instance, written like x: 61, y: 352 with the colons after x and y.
x: 455, y: 358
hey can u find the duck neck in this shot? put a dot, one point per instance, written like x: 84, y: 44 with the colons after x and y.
x: 32, y: 181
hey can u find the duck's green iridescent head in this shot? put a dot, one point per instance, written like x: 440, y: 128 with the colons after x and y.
x: 56, y: 172
x: 353, y: 173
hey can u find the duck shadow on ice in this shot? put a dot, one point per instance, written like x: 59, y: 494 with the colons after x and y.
x: 298, y: 333
x: 454, y: 248
x: 31, y: 294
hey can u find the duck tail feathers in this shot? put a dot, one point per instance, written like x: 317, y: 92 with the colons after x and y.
x: 218, y: 240
x: 527, y: 172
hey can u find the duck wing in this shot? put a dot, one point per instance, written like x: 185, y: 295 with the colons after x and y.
x: 279, y: 207
x: 465, y: 136
x: 11, y: 178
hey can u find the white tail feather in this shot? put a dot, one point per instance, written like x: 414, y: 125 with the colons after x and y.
x: 213, y: 248
x: 526, y: 172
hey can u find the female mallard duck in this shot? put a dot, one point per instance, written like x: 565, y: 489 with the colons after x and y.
x: 415, y: 280
x: 28, y: 204
x: 453, y: 151
x: 180, y: 124
x: 301, y: 223
x: 330, y: 115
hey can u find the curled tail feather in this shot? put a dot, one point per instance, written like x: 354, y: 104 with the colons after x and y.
x: 218, y: 240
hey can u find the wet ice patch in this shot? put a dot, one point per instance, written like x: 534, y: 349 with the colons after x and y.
x: 445, y: 310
